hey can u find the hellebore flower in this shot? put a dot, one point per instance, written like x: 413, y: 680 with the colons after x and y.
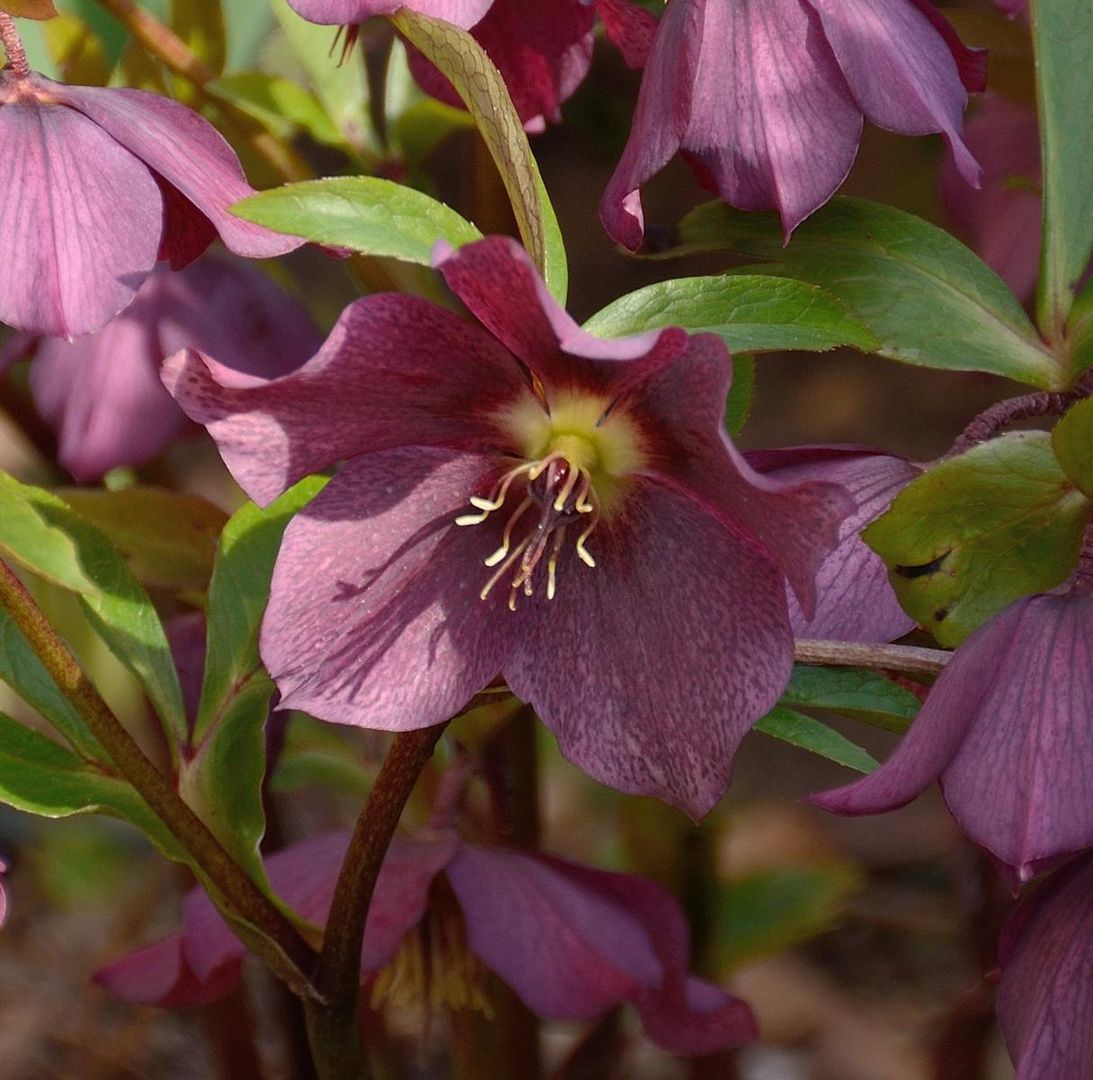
x: 634, y: 564
x: 570, y: 940
x: 543, y: 50
x: 1045, y: 997
x: 1000, y: 221
x: 854, y: 601
x: 98, y: 183
x: 102, y: 393
x: 766, y: 98
x: 1006, y: 728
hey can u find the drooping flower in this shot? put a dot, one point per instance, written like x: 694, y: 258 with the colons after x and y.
x: 1045, y: 997
x: 1001, y: 220
x: 572, y: 941
x: 102, y: 393
x: 766, y: 98
x: 98, y: 183
x: 543, y: 50
x: 854, y: 601
x: 619, y: 563
x: 1006, y: 729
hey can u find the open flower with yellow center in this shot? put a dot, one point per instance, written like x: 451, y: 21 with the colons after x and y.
x: 517, y: 497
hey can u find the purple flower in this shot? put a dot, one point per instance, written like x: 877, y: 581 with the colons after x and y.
x: 97, y: 184
x: 543, y: 49
x: 1008, y: 729
x: 1000, y: 221
x: 1046, y: 994
x: 521, y: 497
x: 854, y: 601
x: 102, y: 393
x: 766, y: 98
x: 570, y: 940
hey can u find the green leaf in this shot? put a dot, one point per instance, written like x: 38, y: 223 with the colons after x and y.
x: 1072, y: 441
x: 753, y: 313
x: 861, y: 695
x: 741, y: 394
x: 366, y: 214
x: 222, y: 782
x: 421, y: 128
x: 926, y: 298
x: 483, y: 91
x: 315, y: 754
x: 1062, y: 38
x: 167, y: 538
x: 238, y: 594
x: 21, y: 669
x: 764, y: 913
x: 41, y: 777
x: 812, y: 735
x: 282, y: 106
x: 979, y: 531
x: 48, y: 538
x: 1079, y: 331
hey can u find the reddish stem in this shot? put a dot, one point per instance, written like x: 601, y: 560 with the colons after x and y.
x: 1000, y: 416
x: 13, y: 46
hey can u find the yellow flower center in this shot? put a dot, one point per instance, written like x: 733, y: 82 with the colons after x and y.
x: 576, y: 454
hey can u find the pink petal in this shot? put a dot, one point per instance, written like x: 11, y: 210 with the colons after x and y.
x: 681, y: 1014
x: 567, y: 951
x: 464, y: 13
x: 752, y: 91
x: 971, y: 64
x: 74, y: 252
x: 854, y: 599
x: 159, y: 975
x: 674, y: 592
x: 496, y: 280
x: 374, y: 615
x: 395, y: 371
x: 1046, y: 994
x: 1000, y: 221
x: 630, y: 28
x: 542, y: 50
x: 187, y: 151
x: 900, y: 70
x: 796, y: 523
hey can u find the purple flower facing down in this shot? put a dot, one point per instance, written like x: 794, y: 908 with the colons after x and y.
x: 96, y: 184
x: 543, y: 50
x: 1000, y: 221
x: 766, y: 98
x: 519, y: 497
x: 854, y: 601
x: 571, y: 941
x: 1045, y: 998
x: 1007, y: 729
x: 102, y: 392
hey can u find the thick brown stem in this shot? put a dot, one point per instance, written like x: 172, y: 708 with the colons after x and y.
x: 998, y: 417
x: 13, y: 46
x: 333, y: 1026
x: 290, y: 956
x: 908, y: 659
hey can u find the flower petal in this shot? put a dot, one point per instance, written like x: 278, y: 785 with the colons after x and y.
x: 900, y: 70
x: 395, y: 371
x: 630, y: 28
x: 464, y: 13
x: 797, y: 524
x: 674, y: 592
x: 542, y: 50
x: 374, y: 615
x: 854, y: 600
x: 159, y: 975
x: 569, y: 952
x: 953, y: 706
x: 73, y: 252
x: 1046, y: 993
x: 186, y: 150
x: 752, y: 92
x: 1019, y: 783
x: 497, y: 281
